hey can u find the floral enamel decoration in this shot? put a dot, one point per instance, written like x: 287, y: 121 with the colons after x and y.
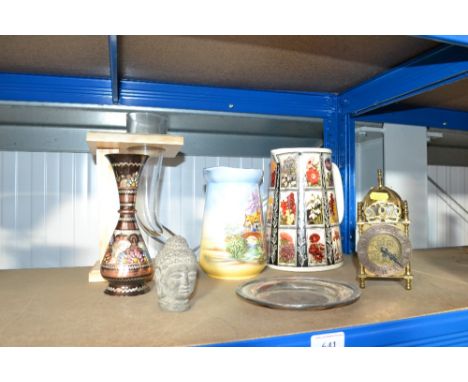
x: 314, y: 208
x: 312, y: 172
x: 288, y: 210
x: 287, y: 251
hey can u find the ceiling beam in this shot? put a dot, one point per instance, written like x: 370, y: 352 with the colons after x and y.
x: 44, y: 88
x: 217, y: 99
x: 100, y: 91
x: 114, y: 73
x: 428, y: 71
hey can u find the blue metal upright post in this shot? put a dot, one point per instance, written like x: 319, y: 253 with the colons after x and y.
x: 114, y: 73
x: 339, y: 137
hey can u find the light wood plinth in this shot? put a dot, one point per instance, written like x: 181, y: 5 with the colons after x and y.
x: 134, y: 143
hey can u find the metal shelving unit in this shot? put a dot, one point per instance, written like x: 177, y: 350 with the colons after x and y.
x: 327, y: 117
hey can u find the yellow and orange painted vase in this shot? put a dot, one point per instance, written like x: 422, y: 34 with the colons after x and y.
x: 232, y: 243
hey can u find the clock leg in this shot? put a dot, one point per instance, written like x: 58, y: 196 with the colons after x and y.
x: 408, y: 277
x: 362, y: 277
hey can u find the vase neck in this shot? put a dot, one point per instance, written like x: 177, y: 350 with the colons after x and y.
x: 127, y: 169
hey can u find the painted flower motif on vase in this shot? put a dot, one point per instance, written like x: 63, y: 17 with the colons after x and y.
x: 125, y: 250
x: 314, y: 207
x: 287, y: 248
x: 316, y: 247
x: 328, y: 172
x: 288, y: 209
x: 332, y: 208
x: 273, y: 167
x: 288, y: 172
x: 246, y: 243
x: 337, y: 251
x: 126, y: 181
x: 312, y: 172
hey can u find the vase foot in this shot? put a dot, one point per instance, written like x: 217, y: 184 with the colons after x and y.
x: 126, y: 290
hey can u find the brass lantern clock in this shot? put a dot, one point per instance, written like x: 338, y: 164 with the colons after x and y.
x: 384, y: 248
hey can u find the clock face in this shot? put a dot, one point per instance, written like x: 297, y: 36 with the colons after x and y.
x: 384, y: 250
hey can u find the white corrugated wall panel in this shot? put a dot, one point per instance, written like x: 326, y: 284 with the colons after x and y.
x: 86, y: 234
x: 45, y: 210
x: 24, y: 248
x: 8, y: 213
x: 48, y: 205
x: 39, y: 251
x: 448, y: 216
x: 52, y: 205
x: 66, y: 211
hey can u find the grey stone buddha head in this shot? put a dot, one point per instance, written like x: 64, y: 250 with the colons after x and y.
x: 176, y: 275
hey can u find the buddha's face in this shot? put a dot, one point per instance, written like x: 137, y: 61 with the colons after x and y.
x: 178, y: 281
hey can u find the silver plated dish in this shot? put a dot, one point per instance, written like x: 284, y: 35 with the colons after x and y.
x: 298, y: 293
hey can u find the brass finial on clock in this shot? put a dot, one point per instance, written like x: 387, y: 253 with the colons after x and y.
x: 380, y: 177
x: 383, y: 224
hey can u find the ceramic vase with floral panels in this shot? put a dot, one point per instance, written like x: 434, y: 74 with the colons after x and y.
x: 305, y: 208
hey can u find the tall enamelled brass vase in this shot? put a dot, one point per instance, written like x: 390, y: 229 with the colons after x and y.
x: 127, y: 264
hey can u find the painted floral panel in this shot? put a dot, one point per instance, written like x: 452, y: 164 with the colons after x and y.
x: 332, y: 208
x: 312, y: 172
x: 288, y: 208
x: 126, y: 250
x: 327, y: 164
x: 314, y: 208
x: 316, y: 250
x: 287, y: 247
x: 288, y: 171
x: 336, y: 244
x: 273, y: 168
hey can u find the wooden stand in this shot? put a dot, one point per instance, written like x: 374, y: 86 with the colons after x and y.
x: 102, y: 143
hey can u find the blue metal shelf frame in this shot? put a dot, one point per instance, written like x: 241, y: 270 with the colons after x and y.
x: 339, y: 137
x: 449, y: 39
x: 439, y: 67
x: 41, y: 88
x: 114, y: 70
x: 441, y: 329
x: 422, y: 116
x: 137, y: 93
